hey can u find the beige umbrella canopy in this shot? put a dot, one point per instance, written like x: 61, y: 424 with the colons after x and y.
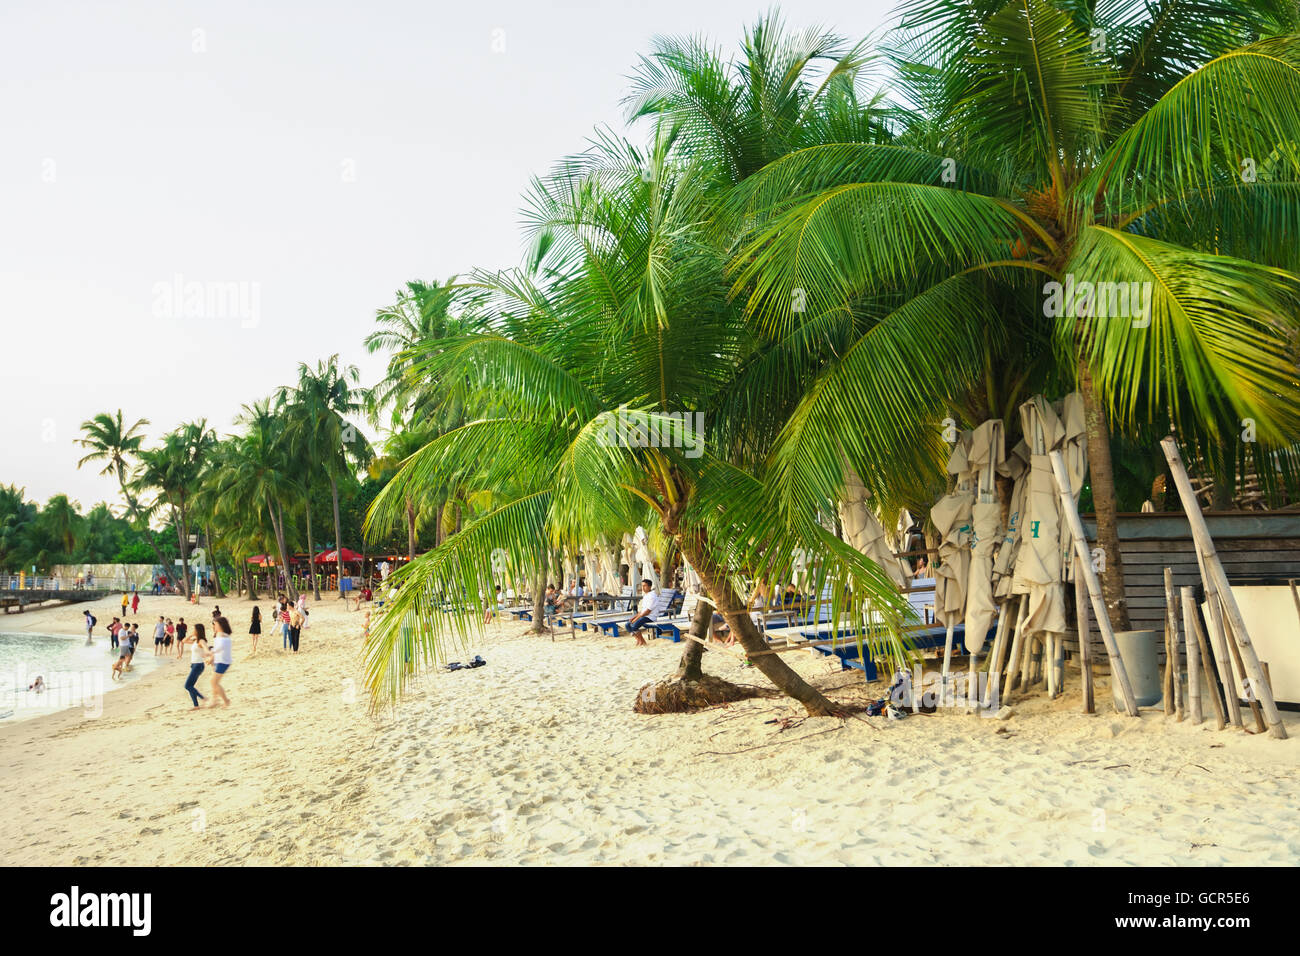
x: 1016, y: 467
x: 863, y: 530
x: 983, y: 459
x: 951, y: 516
x: 1074, y: 449
x: 1039, y: 571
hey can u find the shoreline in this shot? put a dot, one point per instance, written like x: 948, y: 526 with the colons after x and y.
x: 537, y: 758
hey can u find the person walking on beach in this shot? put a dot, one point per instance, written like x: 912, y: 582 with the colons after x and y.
x: 135, y: 601
x: 135, y: 637
x: 126, y: 602
x: 255, y: 628
x: 168, y: 634
x: 284, y: 622
x: 90, y: 627
x: 181, y: 628
x: 295, y: 628
x: 113, y: 629
x: 198, y: 657
x: 222, y: 658
x: 159, y: 635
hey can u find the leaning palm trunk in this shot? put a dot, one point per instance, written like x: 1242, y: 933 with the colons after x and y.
x: 311, y: 556
x: 539, y: 597
x: 338, y: 532
x: 251, y: 580
x: 183, y: 538
x: 134, y: 509
x: 688, y: 668
x: 277, y: 523
x: 1102, y: 476
x: 730, y: 606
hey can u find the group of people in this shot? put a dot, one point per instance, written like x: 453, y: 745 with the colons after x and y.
x: 216, y: 654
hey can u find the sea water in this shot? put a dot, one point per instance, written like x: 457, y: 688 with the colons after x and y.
x: 76, y: 675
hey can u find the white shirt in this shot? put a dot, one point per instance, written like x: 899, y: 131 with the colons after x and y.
x: 647, y: 603
x: 221, y: 650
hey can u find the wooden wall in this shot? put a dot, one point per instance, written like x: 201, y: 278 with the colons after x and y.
x: 1251, y: 545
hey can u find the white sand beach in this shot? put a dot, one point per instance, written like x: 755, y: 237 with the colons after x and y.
x: 538, y: 758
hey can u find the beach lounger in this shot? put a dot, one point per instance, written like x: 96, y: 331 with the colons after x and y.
x: 663, y: 600
x: 677, y: 620
x: 615, y: 612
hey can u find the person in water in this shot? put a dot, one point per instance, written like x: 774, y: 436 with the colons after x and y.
x: 37, y: 685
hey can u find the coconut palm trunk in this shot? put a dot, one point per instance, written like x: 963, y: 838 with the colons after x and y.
x: 338, y: 532
x: 731, y: 607
x: 277, y: 523
x: 311, y: 555
x: 1102, y: 475
x: 539, y: 595
x: 689, y: 667
x: 183, y: 539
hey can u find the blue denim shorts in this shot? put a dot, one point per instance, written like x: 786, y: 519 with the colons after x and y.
x: 222, y: 668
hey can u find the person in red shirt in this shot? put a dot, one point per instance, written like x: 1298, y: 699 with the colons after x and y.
x: 135, y: 602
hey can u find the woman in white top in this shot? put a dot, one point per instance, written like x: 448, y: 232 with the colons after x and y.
x: 222, y: 658
x: 198, y: 654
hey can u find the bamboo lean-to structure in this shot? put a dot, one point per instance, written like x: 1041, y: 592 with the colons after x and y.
x: 1212, y: 573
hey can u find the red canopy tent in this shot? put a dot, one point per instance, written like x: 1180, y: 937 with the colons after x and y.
x: 261, y: 560
x: 330, y: 557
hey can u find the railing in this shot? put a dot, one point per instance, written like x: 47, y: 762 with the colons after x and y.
x: 49, y: 582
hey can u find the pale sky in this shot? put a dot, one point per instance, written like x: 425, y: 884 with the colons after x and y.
x: 309, y: 156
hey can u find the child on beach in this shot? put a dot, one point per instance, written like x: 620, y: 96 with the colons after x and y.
x: 123, y: 662
x: 198, y: 658
x: 296, y: 621
x: 90, y: 627
x: 284, y: 622
x: 169, y: 634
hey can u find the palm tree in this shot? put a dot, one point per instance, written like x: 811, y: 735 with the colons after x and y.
x: 319, y: 430
x: 1041, y: 146
x: 111, y: 442
x: 172, y: 470
x: 259, y: 474
x: 624, y: 320
x: 60, y: 521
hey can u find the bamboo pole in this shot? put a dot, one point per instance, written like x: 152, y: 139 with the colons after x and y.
x: 1205, y: 545
x: 995, y: 655
x: 1118, y: 672
x: 1013, y: 664
x: 1251, y: 693
x: 1172, y: 668
x: 1202, y: 645
x: 1222, y: 660
x: 947, y: 658
x: 1085, y: 643
x: 1193, y: 658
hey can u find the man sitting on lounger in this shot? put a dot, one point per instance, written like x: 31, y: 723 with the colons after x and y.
x: 642, y: 616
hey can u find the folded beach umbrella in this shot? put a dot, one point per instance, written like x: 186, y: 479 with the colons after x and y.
x: 1016, y: 467
x: 1039, y: 572
x: 986, y: 452
x: 1074, y: 449
x: 951, y: 516
x: 863, y: 530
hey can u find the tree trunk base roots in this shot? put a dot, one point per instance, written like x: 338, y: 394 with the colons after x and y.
x: 683, y: 696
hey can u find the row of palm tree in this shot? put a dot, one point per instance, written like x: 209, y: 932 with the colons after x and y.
x: 828, y: 271
x: 242, y: 494
x: 41, y: 536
